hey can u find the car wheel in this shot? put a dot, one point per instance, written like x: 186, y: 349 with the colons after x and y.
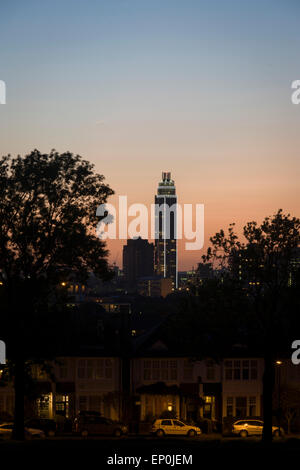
x: 160, y: 433
x: 84, y: 433
x: 117, y: 432
x: 276, y: 433
x: 243, y: 433
x: 191, y: 433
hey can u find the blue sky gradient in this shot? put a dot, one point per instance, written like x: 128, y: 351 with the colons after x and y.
x: 200, y: 88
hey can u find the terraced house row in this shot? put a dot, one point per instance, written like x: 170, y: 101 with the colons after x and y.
x: 151, y: 382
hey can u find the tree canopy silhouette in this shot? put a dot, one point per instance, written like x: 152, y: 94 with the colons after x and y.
x: 252, y: 301
x: 48, y: 224
x: 264, y: 264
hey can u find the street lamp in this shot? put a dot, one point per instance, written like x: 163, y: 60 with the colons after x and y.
x: 279, y: 363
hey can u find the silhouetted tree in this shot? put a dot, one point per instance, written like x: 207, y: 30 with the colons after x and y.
x: 48, y: 219
x: 261, y: 265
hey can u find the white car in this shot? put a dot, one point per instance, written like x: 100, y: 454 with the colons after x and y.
x: 6, y: 430
x: 174, y: 427
x: 253, y: 427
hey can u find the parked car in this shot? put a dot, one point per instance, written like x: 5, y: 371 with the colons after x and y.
x: 49, y: 426
x: 94, y: 424
x: 30, y: 433
x: 253, y: 427
x: 162, y: 427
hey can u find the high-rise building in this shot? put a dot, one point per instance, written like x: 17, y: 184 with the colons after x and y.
x: 138, y: 260
x: 294, y: 268
x: 165, y: 229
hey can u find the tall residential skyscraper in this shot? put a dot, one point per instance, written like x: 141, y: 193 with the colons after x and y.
x: 165, y: 229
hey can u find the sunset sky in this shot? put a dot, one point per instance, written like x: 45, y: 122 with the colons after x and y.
x: 198, y: 88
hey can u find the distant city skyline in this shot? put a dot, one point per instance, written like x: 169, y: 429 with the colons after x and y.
x: 202, y: 88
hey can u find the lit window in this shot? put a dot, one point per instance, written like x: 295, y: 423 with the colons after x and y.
x: 83, y: 403
x: 229, y: 406
x: 210, y: 370
x: 252, y: 406
x: 81, y: 369
x: 99, y: 369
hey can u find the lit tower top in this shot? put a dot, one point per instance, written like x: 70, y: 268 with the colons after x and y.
x: 166, y: 187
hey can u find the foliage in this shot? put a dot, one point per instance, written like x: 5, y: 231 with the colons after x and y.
x: 48, y: 223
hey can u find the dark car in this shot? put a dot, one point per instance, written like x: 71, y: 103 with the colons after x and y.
x: 47, y: 425
x: 88, y: 424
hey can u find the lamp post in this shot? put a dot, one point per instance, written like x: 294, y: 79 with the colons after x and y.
x: 279, y: 363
